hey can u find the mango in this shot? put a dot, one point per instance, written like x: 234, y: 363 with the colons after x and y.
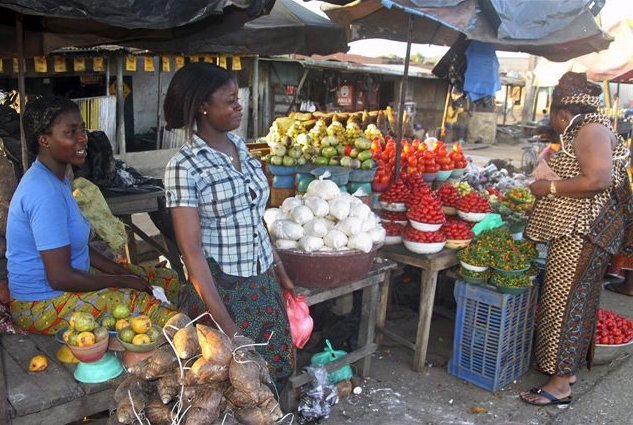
x: 101, y: 333
x: 108, y: 323
x: 126, y: 334
x: 141, y: 324
x: 141, y: 339
x: 120, y: 324
x: 38, y: 363
x: 86, y: 339
x: 82, y: 322
x: 121, y: 311
x: 64, y: 355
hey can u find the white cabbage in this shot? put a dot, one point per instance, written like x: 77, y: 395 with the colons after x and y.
x: 335, y: 239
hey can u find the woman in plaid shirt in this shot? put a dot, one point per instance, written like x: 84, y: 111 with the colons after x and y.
x: 217, y: 194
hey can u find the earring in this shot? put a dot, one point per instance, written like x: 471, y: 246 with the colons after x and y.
x: 204, y: 112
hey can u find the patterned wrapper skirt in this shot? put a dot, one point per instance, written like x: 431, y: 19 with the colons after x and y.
x: 257, y: 307
x: 568, y: 305
x: 49, y: 316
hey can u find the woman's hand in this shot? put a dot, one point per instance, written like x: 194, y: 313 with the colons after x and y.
x: 286, y: 283
x: 540, y: 188
x: 134, y: 282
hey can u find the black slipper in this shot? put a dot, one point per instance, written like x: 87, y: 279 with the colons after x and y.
x: 613, y: 287
x: 553, y: 400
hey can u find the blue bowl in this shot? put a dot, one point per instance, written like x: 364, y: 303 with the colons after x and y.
x: 458, y: 172
x: 280, y: 170
x: 443, y: 175
x: 104, y: 369
x: 429, y: 177
x: 339, y: 175
x: 362, y: 176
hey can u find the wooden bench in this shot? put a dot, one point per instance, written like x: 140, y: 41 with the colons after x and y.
x: 49, y: 397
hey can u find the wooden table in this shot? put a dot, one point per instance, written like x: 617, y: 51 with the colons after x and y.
x: 376, y: 278
x: 124, y: 205
x: 51, y: 396
x: 431, y: 266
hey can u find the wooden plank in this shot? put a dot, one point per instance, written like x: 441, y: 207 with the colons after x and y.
x: 32, y: 392
x: 367, y: 328
x: 348, y: 359
x: 428, y: 284
x: 397, y: 338
x: 6, y: 410
x: 383, y: 306
x: 442, y: 260
x: 134, y: 203
x: 49, y: 346
x: 73, y: 411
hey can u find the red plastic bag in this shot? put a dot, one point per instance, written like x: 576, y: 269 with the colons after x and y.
x: 301, y: 323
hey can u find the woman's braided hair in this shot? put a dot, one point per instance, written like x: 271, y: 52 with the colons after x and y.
x: 40, y: 115
x: 575, y: 94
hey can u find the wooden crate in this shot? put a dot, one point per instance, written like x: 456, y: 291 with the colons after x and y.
x: 277, y: 195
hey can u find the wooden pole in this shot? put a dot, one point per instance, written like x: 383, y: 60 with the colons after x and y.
x: 403, y: 87
x: 158, y: 109
x: 19, y: 36
x: 120, y: 99
x: 448, y: 97
x: 255, y: 96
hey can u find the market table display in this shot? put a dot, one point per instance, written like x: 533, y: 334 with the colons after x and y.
x: 431, y: 265
x: 370, y: 285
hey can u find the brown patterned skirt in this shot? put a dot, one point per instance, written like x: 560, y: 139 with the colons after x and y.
x: 568, y: 305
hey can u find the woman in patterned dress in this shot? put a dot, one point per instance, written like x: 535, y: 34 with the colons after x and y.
x: 581, y: 211
x: 53, y: 271
x: 217, y: 194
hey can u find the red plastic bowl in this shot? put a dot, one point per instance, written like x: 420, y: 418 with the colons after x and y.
x: 90, y: 353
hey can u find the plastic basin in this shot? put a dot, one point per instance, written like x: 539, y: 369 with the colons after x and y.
x: 326, y: 269
x: 606, y: 353
x: 471, y: 216
x: 362, y: 176
x: 339, y: 175
x: 425, y: 227
x: 443, y: 175
x: 140, y: 348
x: 423, y: 248
x: 106, y: 368
x: 280, y: 170
x: 90, y: 353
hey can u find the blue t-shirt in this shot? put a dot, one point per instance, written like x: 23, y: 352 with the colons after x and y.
x: 42, y: 215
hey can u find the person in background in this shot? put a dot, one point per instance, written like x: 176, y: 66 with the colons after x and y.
x: 581, y: 210
x: 48, y: 253
x: 217, y: 193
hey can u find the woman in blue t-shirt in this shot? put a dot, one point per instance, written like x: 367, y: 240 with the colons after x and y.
x: 49, y: 259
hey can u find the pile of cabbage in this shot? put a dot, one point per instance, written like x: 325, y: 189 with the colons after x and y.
x: 324, y: 219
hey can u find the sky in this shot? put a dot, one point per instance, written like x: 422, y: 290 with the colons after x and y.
x: 611, y: 13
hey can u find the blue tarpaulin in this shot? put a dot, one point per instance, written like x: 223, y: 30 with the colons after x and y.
x: 482, y: 71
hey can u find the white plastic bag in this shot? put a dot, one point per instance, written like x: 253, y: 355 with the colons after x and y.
x: 318, y: 206
x: 330, y: 224
x: 324, y: 189
x: 287, y: 229
x: 290, y: 204
x: 340, y: 208
x: 335, y: 239
x: 301, y: 214
x: 369, y: 223
x: 316, y: 227
x: 361, y: 241
x: 378, y: 234
x: 286, y: 244
x: 350, y: 226
x: 310, y: 243
x: 273, y: 214
x: 361, y: 211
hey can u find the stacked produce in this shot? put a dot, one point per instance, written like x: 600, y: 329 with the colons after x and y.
x: 513, y: 206
x: 395, y: 197
x: 473, y: 207
x: 612, y: 328
x: 448, y: 196
x: 393, y: 231
x: 491, y: 176
x: 84, y: 331
x: 458, y: 233
x: 324, y: 219
x: 425, y: 212
x: 197, y: 378
x: 423, y: 242
x: 496, y: 257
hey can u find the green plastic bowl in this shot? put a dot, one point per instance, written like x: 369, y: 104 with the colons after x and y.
x: 512, y: 290
x: 140, y: 348
x: 104, y: 369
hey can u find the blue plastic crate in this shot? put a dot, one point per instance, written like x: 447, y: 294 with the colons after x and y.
x: 492, y: 345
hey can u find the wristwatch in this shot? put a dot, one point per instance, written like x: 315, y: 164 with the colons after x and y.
x: 552, y: 190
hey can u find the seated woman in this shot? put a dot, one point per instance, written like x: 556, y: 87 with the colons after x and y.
x: 48, y: 256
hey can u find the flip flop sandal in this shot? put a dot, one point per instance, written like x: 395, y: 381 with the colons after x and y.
x: 553, y: 400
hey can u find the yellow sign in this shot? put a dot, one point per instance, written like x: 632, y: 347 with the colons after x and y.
x: 179, y: 62
x: 209, y: 59
x: 236, y: 63
x: 126, y: 90
x: 79, y: 64
x: 40, y: 64
x: 194, y: 59
x: 130, y: 63
x: 166, y: 64
x: 97, y: 65
x: 222, y: 62
x: 148, y: 64
x: 15, y: 65
x: 1, y: 65
x: 60, y: 64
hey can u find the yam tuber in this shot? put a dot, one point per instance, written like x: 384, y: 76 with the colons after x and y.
x: 157, y: 365
x: 134, y: 384
x: 248, y: 399
x: 158, y: 413
x: 253, y: 416
x: 216, y: 347
x: 205, y: 407
x: 272, y: 408
x: 244, y: 375
x: 124, y: 410
x: 208, y: 372
x: 175, y: 322
x: 186, y: 343
x: 168, y: 387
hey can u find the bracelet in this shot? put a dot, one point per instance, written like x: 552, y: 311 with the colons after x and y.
x: 552, y: 190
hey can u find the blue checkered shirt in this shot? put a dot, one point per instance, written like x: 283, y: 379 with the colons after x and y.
x: 230, y: 204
